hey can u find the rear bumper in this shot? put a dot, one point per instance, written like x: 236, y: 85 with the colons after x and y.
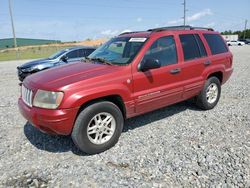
x: 227, y: 74
x: 50, y: 121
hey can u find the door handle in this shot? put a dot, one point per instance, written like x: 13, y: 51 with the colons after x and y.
x: 175, y: 71
x: 206, y: 63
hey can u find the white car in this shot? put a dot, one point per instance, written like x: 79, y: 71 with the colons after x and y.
x: 235, y: 43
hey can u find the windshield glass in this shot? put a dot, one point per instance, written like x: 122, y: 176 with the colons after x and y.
x: 120, y: 50
x: 57, y: 54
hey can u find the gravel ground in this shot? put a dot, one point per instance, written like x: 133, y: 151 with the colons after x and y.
x: 178, y: 146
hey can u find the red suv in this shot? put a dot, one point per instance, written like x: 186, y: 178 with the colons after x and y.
x: 131, y: 74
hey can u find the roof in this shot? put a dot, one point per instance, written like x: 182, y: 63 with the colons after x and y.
x: 159, y: 29
x: 81, y: 47
x: 136, y: 34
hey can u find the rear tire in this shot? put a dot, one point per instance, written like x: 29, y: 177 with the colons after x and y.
x: 98, y: 127
x: 210, y: 94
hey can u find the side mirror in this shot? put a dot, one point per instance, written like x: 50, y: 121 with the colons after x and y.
x: 64, y: 58
x: 148, y: 64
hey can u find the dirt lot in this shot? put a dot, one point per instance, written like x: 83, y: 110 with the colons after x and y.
x: 174, y: 146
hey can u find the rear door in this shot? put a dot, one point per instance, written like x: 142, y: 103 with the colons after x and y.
x: 156, y: 88
x: 194, y: 62
x: 220, y: 54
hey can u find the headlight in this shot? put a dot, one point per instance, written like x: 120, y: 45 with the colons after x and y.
x: 30, y: 69
x: 37, y: 67
x: 47, y: 99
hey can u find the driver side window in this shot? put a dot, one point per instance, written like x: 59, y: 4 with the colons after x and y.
x: 73, y: 54
x: 163, y: 49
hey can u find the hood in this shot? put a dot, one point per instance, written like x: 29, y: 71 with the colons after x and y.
x: 65, y: 75
x: 36, y: 62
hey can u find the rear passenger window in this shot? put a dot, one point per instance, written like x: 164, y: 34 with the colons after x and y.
x: 164, y: 50
x: 190, y: 47
x: 201, y: 45
x: 216, y: 43
x: 88, y: 52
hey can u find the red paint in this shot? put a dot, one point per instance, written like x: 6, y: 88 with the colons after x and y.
x: 83, y: 82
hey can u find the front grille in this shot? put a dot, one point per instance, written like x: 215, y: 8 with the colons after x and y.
x: 27, y: 96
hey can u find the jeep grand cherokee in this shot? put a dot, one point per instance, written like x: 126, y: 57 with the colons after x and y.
x: 131, y: 74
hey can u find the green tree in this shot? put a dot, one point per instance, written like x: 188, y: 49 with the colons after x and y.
x: 239, y: 33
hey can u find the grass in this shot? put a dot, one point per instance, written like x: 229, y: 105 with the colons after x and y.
x: 29, y: 53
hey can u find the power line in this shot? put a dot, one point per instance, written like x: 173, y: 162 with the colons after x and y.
x: 184, y: 12
x: 12, y: 24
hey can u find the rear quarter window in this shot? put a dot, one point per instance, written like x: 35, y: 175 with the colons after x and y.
x: 215, y: 43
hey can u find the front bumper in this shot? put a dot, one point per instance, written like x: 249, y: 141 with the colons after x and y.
x: 50, y: 121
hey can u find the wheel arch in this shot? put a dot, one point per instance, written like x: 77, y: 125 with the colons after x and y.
x: 116, y: 99
x: 218, y: 74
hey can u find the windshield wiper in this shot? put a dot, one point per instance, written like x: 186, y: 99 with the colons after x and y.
x: 103, y: 61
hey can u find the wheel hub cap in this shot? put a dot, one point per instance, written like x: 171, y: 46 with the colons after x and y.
x: 212, y: 93
x: 101, y: 128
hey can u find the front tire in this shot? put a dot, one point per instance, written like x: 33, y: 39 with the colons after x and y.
x: 210, y: 94
x: 98, y: 127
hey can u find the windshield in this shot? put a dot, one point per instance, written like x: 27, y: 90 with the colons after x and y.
x: 57, y: 54
x: 120, y: 50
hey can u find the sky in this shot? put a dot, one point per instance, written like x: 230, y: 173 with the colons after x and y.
x: 77, y: 20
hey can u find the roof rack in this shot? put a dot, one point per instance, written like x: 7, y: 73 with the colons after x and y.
x: 129, y: 32
x: 180, y: 27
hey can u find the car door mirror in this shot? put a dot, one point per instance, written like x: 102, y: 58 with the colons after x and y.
x: 148, y: 64
x: 64, y: 58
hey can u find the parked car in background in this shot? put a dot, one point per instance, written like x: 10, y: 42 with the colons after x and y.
x: 235, y: 43
x: 246, y: 41
x: 64, y: 56
x: 131, y: 74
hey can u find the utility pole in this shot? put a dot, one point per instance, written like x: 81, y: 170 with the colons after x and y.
x: 184, y: 12
x: 12, y: 24
x: 245, y: 29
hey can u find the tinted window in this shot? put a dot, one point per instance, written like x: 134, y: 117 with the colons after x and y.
x: 88, y: 52
x: 190, y: 47
x: 73, y: 54
x: 82, y: 53
x: 201, y: 45
x: 164, y: 50
x: 216, y: 43
x: 57, y: 54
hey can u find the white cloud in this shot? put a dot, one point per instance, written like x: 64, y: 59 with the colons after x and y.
x: 109, y: 32
x: 199, y: 15
x: 212, y: 24
x: 194, y: 17
x: 175, y: 21
x: 139, y: 19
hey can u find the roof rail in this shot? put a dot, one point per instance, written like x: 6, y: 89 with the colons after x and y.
x: 129, y: 32
x: 180, y: 27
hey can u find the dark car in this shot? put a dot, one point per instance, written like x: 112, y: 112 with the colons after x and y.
x: 246, y: 41
x: 64, y: 56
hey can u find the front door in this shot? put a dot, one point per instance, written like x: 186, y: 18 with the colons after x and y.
x: 156, y: 88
